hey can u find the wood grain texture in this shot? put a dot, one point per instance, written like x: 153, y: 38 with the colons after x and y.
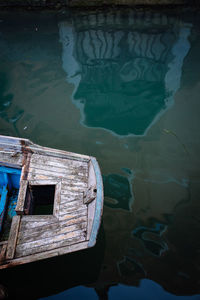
x: 59, y: 153
x: 21, y: 197
x: 75, y: 204
x: 47, y: 254
x: 48, y: 162
x: 35, y: 237
x: 49, y: 244
x: 11, y: 158
x: 57, y: 198
x: 3, y: 249
x: 49, y: 231
x: 12, y: 240
x: 65, y: 198
x: 92, y: 205
x: 27, y: 227
x: 73, y: 215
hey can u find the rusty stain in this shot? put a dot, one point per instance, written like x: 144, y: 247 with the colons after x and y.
x: 27, y: 153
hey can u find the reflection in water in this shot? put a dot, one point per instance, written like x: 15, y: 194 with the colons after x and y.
x: 152, y: 238
x: 5, y: 103
x: 123, y: 70
x: 126, y: 70
x: 118, y: 190
x: 130, y: 267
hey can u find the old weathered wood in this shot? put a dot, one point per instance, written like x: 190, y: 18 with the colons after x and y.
x: 37, y: 230
x: 50, y: 243
x: 78, y: 189
x: 21, y: 197
x: 66, y: 184
x: 57, y: 198
x: 78, y: 210
x: 90, y: 194
x: 59, y: 153
x: 65, y: 211
x: 26, y: 164
x: 12, y: 240
x: 49, y: 232
x: 99, y: 203
x: 48, y: 162
x: 27, y: 227
x: 47, y: 254
x: 3, y: 252
x: 43, y: 182
x: 71, y: 225
x: 76, y: 204
x: 91, y: 207
x: 71, y: 197
x: 9, y: 159
x: 37, y: 176
x: 49, y: 240
x: 73, y: 215
x: 61, y: 174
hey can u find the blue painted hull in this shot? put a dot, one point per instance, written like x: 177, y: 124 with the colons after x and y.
x: 9, y: 181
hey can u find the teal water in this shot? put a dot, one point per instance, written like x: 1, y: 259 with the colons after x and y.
x: 123, y: 86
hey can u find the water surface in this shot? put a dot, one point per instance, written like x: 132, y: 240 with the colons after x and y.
x: 123, y: 86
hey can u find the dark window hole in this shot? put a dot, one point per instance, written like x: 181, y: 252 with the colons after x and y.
x: 39, y: 199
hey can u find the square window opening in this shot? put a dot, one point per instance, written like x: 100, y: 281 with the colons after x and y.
x: 40, y: 199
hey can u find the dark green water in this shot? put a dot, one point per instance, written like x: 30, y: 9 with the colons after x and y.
x: 123, y: 86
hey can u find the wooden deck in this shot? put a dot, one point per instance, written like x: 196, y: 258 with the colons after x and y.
x: 77, y: 207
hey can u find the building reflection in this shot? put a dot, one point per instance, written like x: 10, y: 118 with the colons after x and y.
x: 126, y: 67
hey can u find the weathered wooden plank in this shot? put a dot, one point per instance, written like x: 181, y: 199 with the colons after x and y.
x: 61, y: 173
x: 72, y: 193
x: 48, y: 163
x: 37, y: 176
x: 10, y: 140
x: 11, y: 158
x: 3, y: 249
x: 50, y: 232
x: 70, y: 198
x: 43, y: 182
x: 72, y: 209
x: 73, y: 215
x: 49, y: 240
x: 37, y: 224
x: 59, y: 153
x: 92, y: 205
x: 10, y: 147
x: 12, y: 240
x: 27, y: 231
x: 3, y: 242
x: 21, y: 197
x: 54, y: 169
x: 48, y: 247
x: 99, y: 204
x: 57, y: 198
x: 39, y: 218
x: 47, y: 254
x: 50, y: 243
x: 25, y: 226
x: 76, y: 203
x: 53, y: 160
x: 26, y: 163
x: 66, y: 184
x: 72, y: 190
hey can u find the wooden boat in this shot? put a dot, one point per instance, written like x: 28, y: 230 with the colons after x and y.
x: 51, y: 202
